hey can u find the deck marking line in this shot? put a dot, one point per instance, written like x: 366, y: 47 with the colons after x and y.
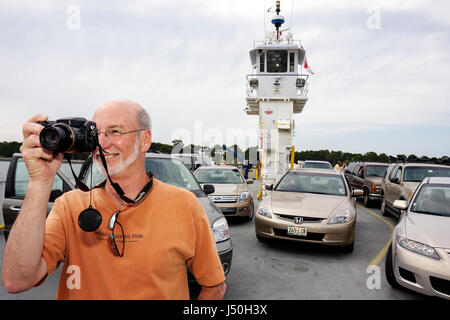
x: 383, y: 251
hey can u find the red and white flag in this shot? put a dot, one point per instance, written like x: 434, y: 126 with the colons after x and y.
x: 305, y: 65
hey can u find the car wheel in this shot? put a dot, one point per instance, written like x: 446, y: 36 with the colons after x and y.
x: 366, y: 199
x: 389, y: 269
x: 349, y: 248
x: 383, y: 206
x: 252, y: 213
x: 262, y: 239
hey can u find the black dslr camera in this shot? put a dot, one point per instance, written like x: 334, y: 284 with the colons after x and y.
x: 69, y: 135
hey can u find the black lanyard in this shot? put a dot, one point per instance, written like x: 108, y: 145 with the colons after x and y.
x: 116, y: 186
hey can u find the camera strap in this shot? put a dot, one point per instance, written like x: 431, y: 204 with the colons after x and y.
x: 116, y: 186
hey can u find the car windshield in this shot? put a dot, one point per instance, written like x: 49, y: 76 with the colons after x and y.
x: 168, y: 170
x: 187, y: 160
x: 417, y: 174
x: 317, y: 165
x: 376, y: 171
x: 312, y: 183
x: 433, y: 199
x: 219, y: 176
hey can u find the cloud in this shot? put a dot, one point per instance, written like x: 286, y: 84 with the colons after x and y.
x: 186, y: 61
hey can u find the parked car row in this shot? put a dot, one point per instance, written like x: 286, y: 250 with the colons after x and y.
x: 419, y: 195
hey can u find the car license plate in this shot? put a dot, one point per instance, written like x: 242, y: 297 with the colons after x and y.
x: 297, y: 231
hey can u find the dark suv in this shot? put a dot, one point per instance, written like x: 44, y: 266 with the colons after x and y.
x: 164, y: 167
x: 367, y: 176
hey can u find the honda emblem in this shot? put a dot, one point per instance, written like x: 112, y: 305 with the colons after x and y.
x: 298, y: 220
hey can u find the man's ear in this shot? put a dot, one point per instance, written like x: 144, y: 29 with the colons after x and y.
x: 146, y: 140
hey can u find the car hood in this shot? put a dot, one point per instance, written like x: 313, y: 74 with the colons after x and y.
x: 306, y: 204
x: 228, y: 189
x: 411, y: 186
x: 374, y: 180
x: 211, y: 210
x: 428, y: 229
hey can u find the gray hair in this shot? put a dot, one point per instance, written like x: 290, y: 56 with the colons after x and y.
x: 143, y: 119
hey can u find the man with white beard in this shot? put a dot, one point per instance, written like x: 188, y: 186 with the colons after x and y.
x: 141, y: 248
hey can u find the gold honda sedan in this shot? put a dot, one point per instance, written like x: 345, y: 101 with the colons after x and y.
x: 309, y: 205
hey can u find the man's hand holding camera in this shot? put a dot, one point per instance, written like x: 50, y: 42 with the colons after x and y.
x: 42, y: 164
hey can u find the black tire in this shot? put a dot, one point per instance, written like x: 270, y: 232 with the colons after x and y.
x: 262, y: 239
x: 250, y: 218
x: 366, y: 200
x: 349, y: 248
x: 383, y: 206
x: 389, y: 269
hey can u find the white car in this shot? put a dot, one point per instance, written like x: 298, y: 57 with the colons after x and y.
x: 316, y: 164
x: 419, y: 256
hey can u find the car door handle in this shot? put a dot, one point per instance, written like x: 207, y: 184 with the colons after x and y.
x: 15, y: 208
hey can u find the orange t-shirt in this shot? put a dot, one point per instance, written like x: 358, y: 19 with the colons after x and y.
x: 166, y: 232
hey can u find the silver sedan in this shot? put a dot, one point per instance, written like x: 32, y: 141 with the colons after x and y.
x: 419, y: 256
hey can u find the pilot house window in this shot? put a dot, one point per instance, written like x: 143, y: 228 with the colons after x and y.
x: 291, y: 61
x: 262, y: 59
x: 277, y: 60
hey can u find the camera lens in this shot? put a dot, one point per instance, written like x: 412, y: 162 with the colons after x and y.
x: 51, y: 137
x: 57, y: 138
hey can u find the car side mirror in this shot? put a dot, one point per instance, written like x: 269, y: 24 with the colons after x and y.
x: 249, y: 181
x: 357, y: 193
x: 394, y: 180
x: 269, y: 186
x: 209, y: 188
x: 400, y: 204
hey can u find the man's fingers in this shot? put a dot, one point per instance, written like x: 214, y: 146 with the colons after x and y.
x: 32, y: 127
x: 38, y: 117
x: 32, y: 141
x: 36, y: 153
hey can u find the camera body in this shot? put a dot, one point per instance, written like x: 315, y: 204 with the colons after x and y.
x: 69, y: 135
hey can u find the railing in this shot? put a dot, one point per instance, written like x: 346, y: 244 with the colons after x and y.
x: 277, y: 42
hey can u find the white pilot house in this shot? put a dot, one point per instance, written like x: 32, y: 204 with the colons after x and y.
x: 276, y: 90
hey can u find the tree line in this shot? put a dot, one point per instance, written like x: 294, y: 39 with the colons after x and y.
x: 234, y: 154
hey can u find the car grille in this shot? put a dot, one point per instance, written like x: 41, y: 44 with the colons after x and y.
x: 227, y: 210
x: 310, y: 236
x: 407, y: 275
x: 223, y: 199
x: 305, y: 219
x: 440, y: 285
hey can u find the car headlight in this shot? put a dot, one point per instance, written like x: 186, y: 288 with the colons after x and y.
x: 341, y: 217
x: 418, y: 247
x: 264, y: 212
x: 221, y: 230
x: 244, y: 196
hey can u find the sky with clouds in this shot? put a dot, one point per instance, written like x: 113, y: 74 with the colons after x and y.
x: 381, y: 68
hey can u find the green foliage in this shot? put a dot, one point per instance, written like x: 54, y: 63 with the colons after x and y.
x: 7, y: 149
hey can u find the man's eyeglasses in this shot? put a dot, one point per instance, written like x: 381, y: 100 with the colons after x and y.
x: 112, y: 239
x: 116, y: 133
